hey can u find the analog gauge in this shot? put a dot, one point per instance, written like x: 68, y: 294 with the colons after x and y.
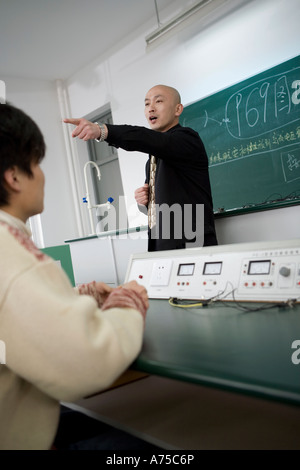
x: 186, y: 269
x: 212, y: 268
x: 259, y: 267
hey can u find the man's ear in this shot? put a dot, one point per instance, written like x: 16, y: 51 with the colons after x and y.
x: 12, y: 179
x: 179, y: 109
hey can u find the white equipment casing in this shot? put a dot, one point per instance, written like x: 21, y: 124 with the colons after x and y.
x: 259, y: 272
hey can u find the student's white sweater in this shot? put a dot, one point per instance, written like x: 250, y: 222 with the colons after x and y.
x: 60, y: 346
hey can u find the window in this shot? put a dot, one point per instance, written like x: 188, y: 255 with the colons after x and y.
x: 110, y: 184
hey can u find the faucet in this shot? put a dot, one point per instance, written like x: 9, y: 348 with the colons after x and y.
x: 87, y: 200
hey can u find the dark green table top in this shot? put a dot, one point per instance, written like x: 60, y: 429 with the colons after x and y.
x: 222, y: 346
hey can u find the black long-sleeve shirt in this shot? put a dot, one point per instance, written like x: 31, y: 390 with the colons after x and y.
x: 182, y: 176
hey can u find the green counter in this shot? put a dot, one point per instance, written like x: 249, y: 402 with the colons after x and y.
x: 222, y: 346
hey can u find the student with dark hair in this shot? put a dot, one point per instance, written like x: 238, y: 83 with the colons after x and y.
x: 61, y: 343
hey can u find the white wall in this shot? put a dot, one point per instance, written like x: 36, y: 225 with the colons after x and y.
x: 198, y: 61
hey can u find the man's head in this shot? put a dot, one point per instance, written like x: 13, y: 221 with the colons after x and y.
x: 162, y: 107
x: 22, y: 148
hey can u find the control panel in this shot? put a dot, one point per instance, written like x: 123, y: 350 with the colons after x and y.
x: 261, y: 271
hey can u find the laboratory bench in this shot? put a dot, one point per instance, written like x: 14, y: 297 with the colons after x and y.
x: 221, y: 376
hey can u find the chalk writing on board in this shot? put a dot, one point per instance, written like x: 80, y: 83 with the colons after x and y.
x: 264, y: 108
x: 291, y: 165
x: 251, y: 133
x: 277, y: 141
x: 260, y: 108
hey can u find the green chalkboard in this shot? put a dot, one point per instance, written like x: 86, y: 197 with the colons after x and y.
x: 251, y: 132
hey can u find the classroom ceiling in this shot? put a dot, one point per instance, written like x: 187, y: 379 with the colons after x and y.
x: 52, y: 39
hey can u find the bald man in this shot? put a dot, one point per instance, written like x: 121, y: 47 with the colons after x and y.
x: 177, y: 192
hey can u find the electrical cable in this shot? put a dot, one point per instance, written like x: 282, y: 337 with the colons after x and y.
x: 174, y: 302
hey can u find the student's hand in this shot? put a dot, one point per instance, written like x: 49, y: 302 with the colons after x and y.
x: 103, y: 291
x: 84, y: 129
x: 129, y: 295
x: 142, y: 195
x: 133, y: 285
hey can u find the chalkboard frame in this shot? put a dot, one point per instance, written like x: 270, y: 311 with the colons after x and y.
x: 202, y: 115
